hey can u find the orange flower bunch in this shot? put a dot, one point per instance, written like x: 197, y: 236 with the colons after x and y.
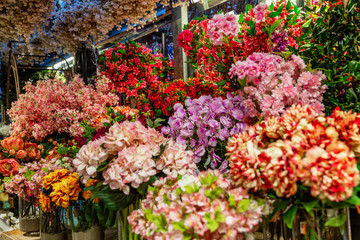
x: 121, y: 110
x: 63, y: 186
x: 87, y: 194
x: 15, y: 147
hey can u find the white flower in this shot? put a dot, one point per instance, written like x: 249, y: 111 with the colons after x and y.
x: 188, y: 180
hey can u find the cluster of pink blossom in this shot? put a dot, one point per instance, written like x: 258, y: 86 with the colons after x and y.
x: 53, y: 106
x: 28, y: 182
x: 196, y: 207
x: 129, y: 148
x: 301, y: 147
x: 221, y: 26
x: 274, y: 84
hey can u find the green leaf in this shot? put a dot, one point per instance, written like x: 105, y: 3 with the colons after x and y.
x: 248, y: 7
x: 336, y: 221
x: 355, y: 200
x: 352, y: 66
x: 288, y: 5
x: 280, y: 9
x: 351, y: 95
x: 274, y: 14
x: 271, y: 7
x: 62, y: 150
x: 180, y: 226
x: 158, y: 121
x: 232, y: 201
x: 167, y: 199
x: 45, y: 169
x: 250, y: 32
x: 123, y: 51
x: 222, y: 82
x: 274, y: 26
x: 289, y: 216
x: 307, y: 23
x: 241, y: 18
x: 310, y: 205
x: 149, y: 123
x: 243, y: 205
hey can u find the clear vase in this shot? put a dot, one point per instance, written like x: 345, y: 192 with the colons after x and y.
x: 82, y: 225
x: 29, y: 216
x: 124, y: 228
x: 53, y: 225
x: 322, y: 224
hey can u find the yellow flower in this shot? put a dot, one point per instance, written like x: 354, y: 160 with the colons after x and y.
x: 45, y: 203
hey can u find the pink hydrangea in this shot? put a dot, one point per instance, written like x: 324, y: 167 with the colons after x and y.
x: 52, y: 106
x: 273, y: 84
x: 222, y: 25
x: 187, y: 203
x: 89, y: 158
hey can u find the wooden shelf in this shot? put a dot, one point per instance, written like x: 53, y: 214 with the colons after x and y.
x: 17, y: 235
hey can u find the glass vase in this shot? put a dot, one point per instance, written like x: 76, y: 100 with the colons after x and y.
x: 322, y: 224
x: 53, y: 225
x: 29, y: 216
x: 124, y: 228
x: 83, y: 226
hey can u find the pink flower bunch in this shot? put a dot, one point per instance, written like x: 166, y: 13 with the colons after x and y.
x: 52, y: 106
x: 301, y: 147
x: 271, y: 84
x: 221, y: 26
x: 196, y: 207
x: 28, y: 182
x: 130, y: 150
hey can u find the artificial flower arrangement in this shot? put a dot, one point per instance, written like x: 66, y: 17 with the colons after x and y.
x: 23, y: 151
x: 337, y: 55
x: 158, y: 101
x: 131, y: 68
x: 213, y: 45
x: 124, y: 159
x: 53, y: 107
x: 205, y: 124
x: 302, y: 159
x: 271, y: 83
x: 206, y: 206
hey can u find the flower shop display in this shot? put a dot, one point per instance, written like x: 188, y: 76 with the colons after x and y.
x: 197, y: 207
x: 23, y: 151
x: 205, y: 124
x: 62, y: 191
x: 271, y: 84
x: 55, y: 107
x: 331, y: 44
x: 158, y: 101
x: 213, y: 45
x: 304, y: 160
x: 29, y: 215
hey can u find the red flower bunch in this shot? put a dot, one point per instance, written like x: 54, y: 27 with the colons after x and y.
x: 131, y: 68
x: 159, y: 101
x: 8, y: 167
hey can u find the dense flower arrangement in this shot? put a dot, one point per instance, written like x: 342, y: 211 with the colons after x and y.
x: 214, y: 45
x: 127, y: 151
x: 159, y: 101
x: 300, y: 148
x: 205, y: 124
x: 23, y: 151
x: 56, y: 107
x: 337, y: 55
x: 60, y: 187
x: 196, y: 207
x: 271, y: 84
x: 131, y: 68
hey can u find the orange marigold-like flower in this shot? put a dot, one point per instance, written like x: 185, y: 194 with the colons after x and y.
x: 65, y: 190
x: 54, y: 177
x: 87, y: 194
x: 45, y: 203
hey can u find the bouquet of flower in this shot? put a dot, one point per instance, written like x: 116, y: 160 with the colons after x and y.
x: 271, y: 84
x: 205, y: 124
x: 159, y: 101
x: 214, y: 45
x: 131, y: 68
x: 23, y: 151
x: 196, y: 207
x: 55, y: 107
x: 301, y: 157
x: 126, y: 156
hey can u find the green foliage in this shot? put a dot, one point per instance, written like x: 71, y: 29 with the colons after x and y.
x: 332, y: 44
